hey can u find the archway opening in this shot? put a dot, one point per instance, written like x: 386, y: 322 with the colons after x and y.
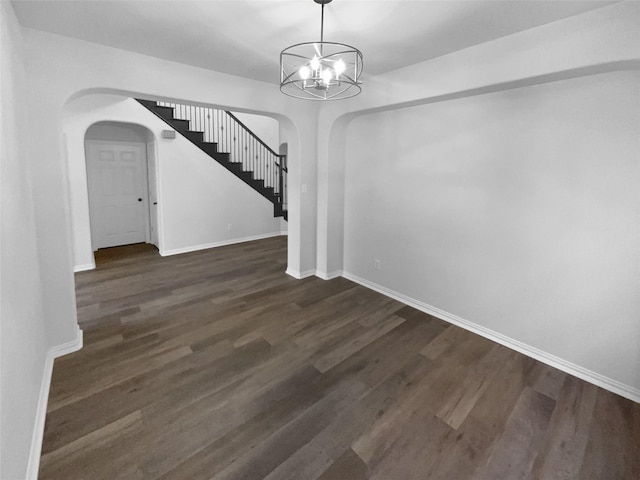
x: 121, y: 184
x: 199, y: 205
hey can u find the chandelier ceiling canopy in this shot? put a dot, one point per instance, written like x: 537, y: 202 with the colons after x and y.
x: 320, y: 70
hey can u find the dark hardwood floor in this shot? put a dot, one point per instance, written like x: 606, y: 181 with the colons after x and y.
x: 217, y: 365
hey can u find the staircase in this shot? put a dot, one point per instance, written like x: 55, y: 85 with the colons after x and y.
x: 223, y: 137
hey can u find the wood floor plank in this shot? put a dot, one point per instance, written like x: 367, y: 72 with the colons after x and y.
x: 566, y: 443
x: 394, y: 420
x: 470, y: 449
x: 348, y: 424
x: 415, y: 450
x: 104, y: 378
x: 348, y: 466
x: 282, y: 444
x: 471, y: 384
x: 217, y: 365
x: 613, y: 448
x: 223, y: 450
x: 515, y: 452
x: 360, y: 339
x: 93, y: 438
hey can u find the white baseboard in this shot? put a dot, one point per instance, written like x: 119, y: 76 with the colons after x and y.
x: 204, y: 246
x: 585, y: 374
x: 41, y: 412
x: 84, y: 267
x: 300, y: 275
x: 328, y: 276
x: 310, y: 273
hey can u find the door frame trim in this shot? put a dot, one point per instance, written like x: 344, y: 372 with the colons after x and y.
x: 152, y: 158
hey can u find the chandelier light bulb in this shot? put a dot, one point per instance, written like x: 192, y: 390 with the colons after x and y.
x: 315, y: 63
x: 304, y: 72
x: 339, y: 67
x: 326, y: 76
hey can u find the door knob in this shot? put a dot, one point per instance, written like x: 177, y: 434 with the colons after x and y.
x: 139, y: 199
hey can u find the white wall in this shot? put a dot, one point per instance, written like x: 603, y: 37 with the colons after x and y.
x: 197, y: 197
x: 23, y: 336
x: 601, y: 40
x: 516, y: 211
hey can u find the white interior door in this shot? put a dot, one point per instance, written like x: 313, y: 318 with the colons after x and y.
x: 117, y: 193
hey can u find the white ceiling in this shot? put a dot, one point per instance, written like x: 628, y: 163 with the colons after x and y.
x: 245, y: 37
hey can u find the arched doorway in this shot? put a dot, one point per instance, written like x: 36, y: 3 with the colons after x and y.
x: 217, y: 212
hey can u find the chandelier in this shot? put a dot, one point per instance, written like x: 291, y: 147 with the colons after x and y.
x: 320, y: 70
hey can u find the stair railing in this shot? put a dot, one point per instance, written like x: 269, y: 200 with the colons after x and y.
x: 242, y: 145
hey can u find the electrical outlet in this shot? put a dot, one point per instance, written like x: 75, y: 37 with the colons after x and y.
x: 376, y: 264
x: 229, y: 227
x: 304, y: 188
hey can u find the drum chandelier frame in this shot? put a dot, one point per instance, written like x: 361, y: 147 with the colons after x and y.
x: 320, y: 70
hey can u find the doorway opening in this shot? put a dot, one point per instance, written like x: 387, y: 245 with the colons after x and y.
x: 122, y: 185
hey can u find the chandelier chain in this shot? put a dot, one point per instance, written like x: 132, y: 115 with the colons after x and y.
x: 322, y: 25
